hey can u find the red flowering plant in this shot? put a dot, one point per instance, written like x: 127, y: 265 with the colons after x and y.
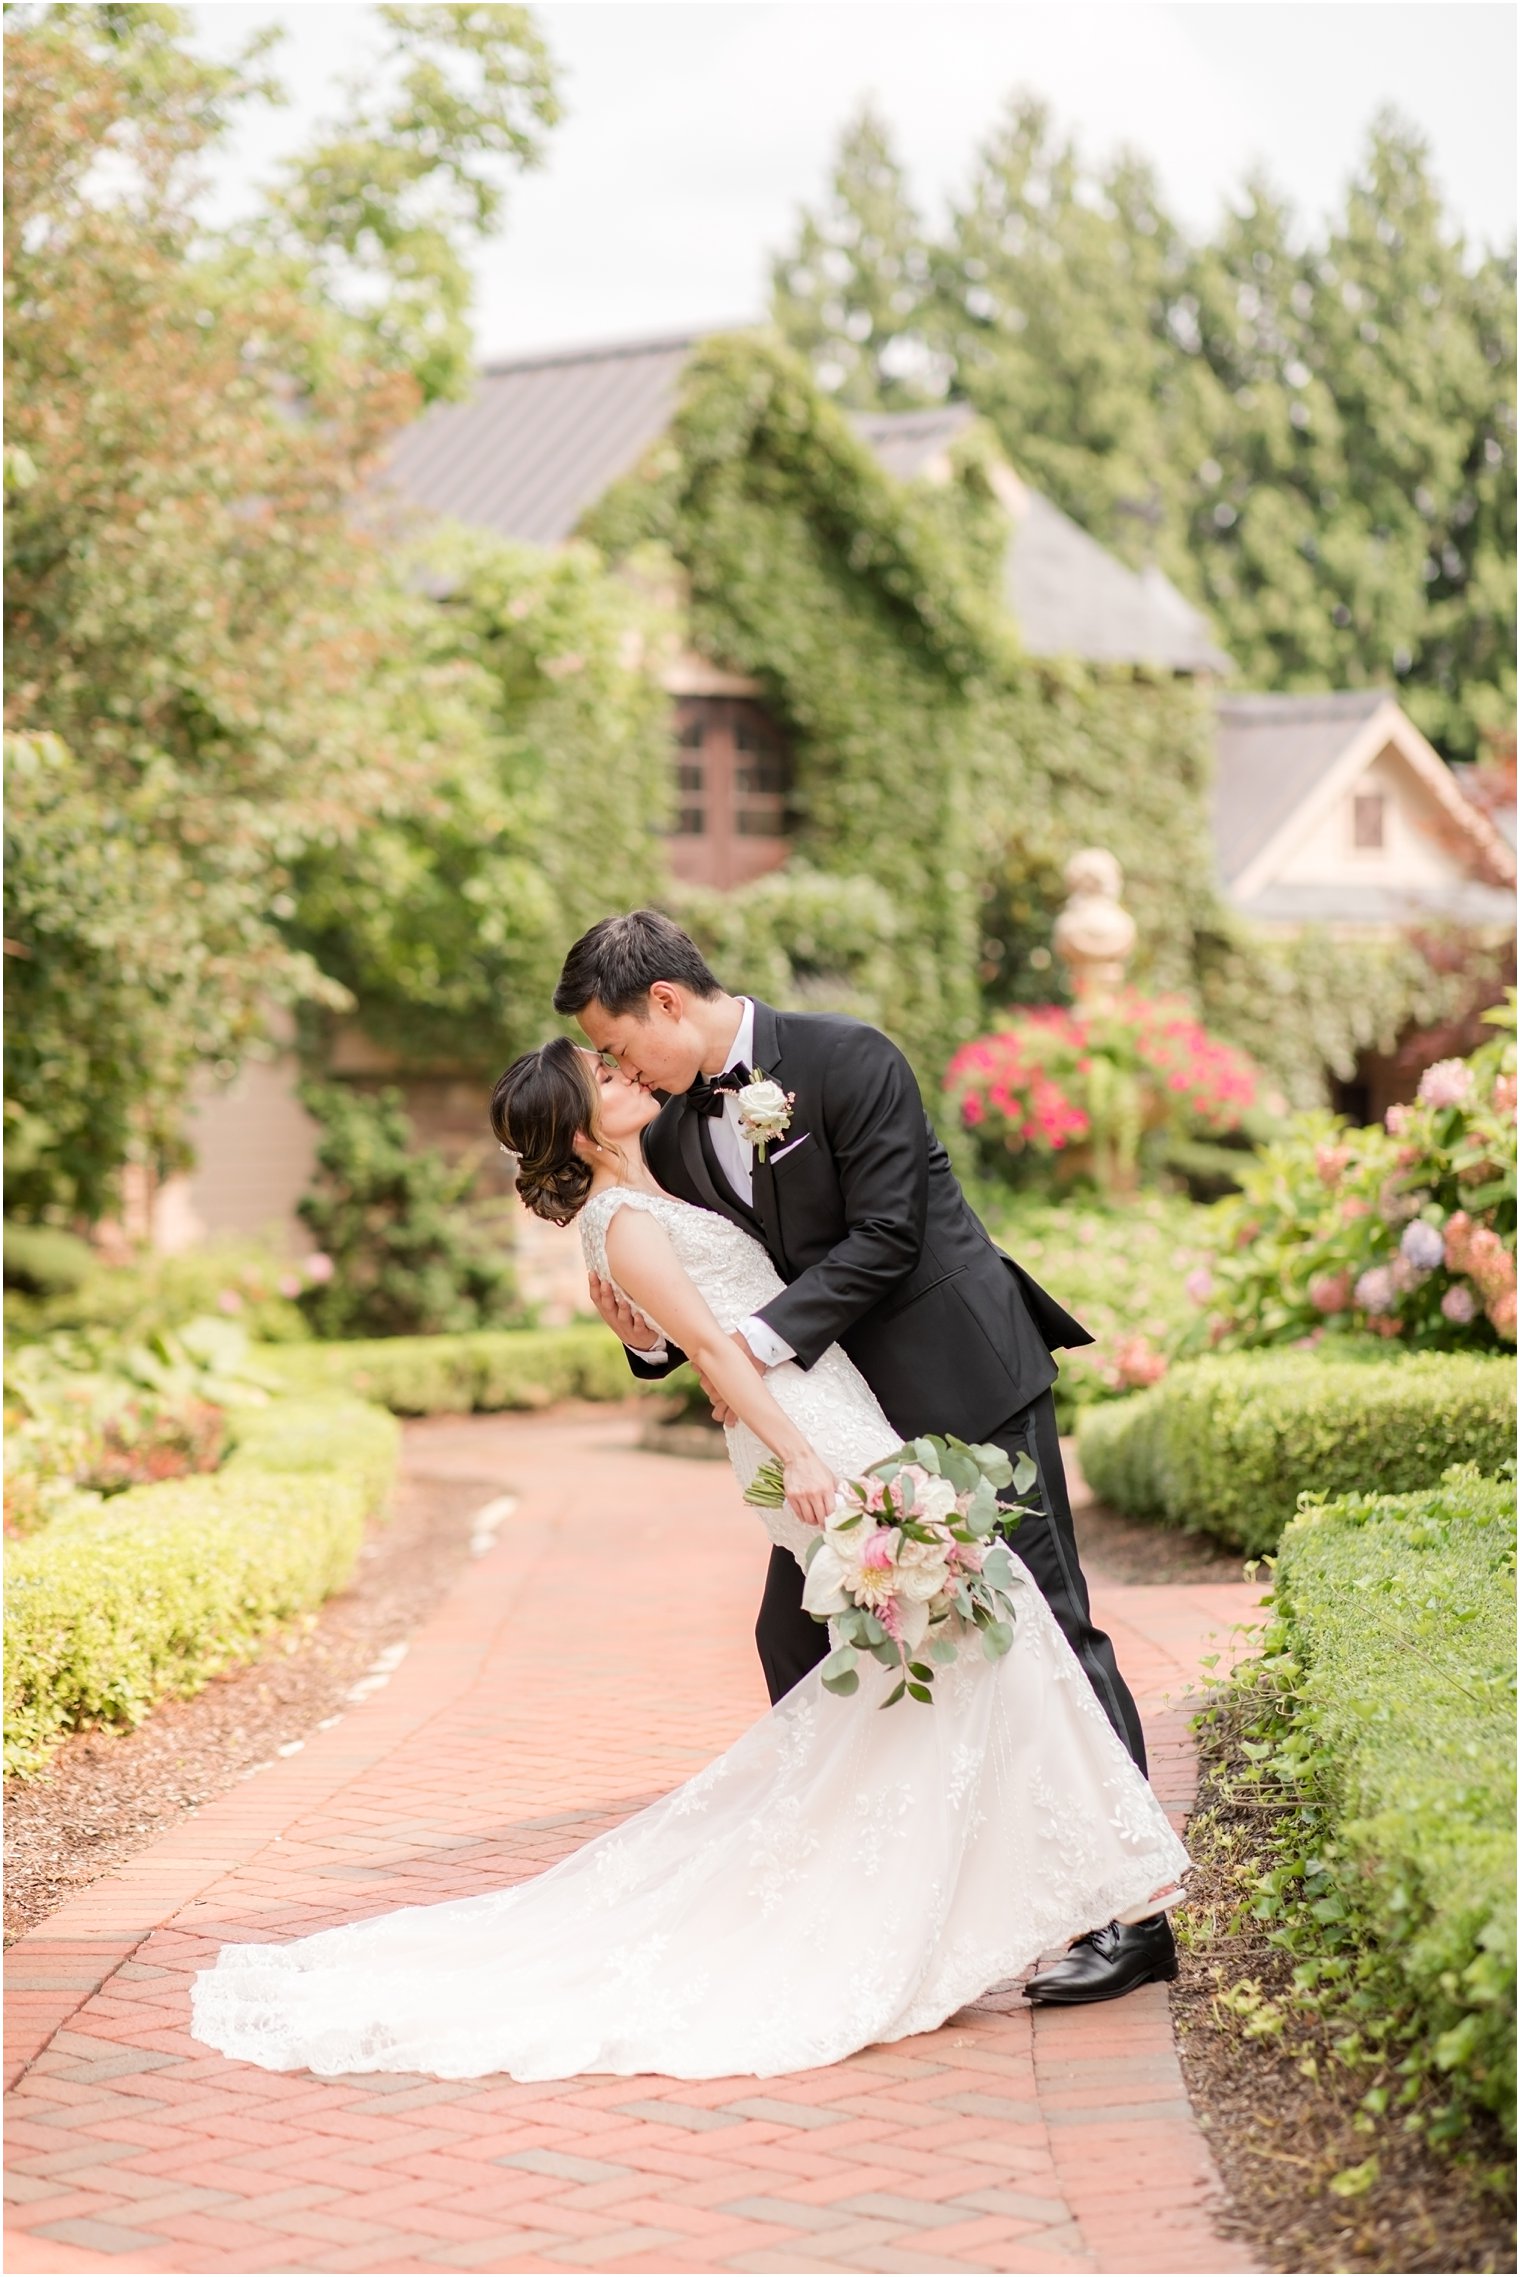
x: 1404, y: 1231
x: 1081, y: 1086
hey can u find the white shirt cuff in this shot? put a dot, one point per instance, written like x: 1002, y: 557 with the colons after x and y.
x: 769, y: 1348
x: 657, y: 1354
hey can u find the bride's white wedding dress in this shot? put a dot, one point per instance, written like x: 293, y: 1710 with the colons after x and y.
x: 840, y: 1876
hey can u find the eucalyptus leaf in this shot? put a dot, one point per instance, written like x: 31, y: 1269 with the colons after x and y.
x: 844, y: 1684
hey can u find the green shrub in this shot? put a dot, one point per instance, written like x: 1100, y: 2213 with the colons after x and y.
x: 43, y: 1260
x: 1227, y: 1445
x: 154, y: 1296
x: 453, y: 1375
x: 118, y: 1604
x: 1389, y: 1674
x: 408, y: 1254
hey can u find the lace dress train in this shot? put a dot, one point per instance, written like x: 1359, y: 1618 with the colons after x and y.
x: 839, y: 1876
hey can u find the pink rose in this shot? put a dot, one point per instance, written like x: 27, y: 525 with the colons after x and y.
x: 1396, y: 1121
x: 290, y: 1284
x: 877, y: 1553
x: 318, y: 1266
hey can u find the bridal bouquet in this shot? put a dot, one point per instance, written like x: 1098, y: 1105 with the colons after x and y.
x: 911, y: 1561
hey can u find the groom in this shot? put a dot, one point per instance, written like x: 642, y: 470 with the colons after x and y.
x: 863, y: 1218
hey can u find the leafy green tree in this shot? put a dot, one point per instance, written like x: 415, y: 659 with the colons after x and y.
x: 381, y: 207
x: 211, y: 668
x: 448, y: 920
x: 852, y: 295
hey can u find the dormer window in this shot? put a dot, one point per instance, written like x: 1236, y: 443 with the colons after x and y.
x: 732, y: 818
x: 1369, y: 821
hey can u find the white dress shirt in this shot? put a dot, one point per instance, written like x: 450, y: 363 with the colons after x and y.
x: 736, y: 1157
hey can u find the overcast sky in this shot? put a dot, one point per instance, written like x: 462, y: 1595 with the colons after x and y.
x: 695, y: 128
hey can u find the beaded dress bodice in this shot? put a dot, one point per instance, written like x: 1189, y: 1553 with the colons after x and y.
x: 831, y: 1401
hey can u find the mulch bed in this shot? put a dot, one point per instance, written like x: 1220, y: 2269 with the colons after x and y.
x: 1277, y: 2133
x: 108, y: 1794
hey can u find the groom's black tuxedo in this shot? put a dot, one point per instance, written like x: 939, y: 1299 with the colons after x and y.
x: 864, y: 1219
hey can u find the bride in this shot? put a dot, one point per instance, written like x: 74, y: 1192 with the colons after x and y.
x: 840, y: 1875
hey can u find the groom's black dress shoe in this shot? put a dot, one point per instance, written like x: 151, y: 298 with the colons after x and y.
x: 1107, y: 1962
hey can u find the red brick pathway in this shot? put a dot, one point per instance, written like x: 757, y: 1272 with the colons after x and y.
x: 1004, y: 2141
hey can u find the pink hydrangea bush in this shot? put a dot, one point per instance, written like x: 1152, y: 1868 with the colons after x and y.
x: 1091, y: 1080
x: 1405, y: 1231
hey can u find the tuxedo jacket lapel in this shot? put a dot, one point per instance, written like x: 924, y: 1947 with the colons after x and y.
x: 706, y: 1190
x: 768, y: 1057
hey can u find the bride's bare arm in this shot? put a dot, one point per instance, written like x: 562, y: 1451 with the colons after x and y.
x: 649, y: 1272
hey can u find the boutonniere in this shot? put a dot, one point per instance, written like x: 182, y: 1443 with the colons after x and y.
x: 765, y: 1111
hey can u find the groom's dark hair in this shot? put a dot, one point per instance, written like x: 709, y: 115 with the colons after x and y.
x: 621, y: 958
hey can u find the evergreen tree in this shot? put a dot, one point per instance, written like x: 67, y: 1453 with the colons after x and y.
x: 1056, y: 288
x: 1315, y: 439
x: 852, y: 294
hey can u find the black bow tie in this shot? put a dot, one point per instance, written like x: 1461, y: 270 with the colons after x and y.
x: 708, y: 1093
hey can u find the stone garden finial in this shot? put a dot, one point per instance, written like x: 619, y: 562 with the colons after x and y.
x: 1094, y: 933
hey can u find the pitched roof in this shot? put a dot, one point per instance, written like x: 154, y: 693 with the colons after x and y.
x: 1071, y: 597
x: 543, y: 437
x: 1272, y: 750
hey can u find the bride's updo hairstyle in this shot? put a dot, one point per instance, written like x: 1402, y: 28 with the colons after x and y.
x: 540, y: 1107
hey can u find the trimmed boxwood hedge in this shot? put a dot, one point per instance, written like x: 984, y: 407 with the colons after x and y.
x: 121, y: 1603
x: 487, y: 1369
x: 1393, y: 1659
x: 1227, y: 1445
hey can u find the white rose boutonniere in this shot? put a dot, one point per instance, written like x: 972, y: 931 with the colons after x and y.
x: 765, y: 1112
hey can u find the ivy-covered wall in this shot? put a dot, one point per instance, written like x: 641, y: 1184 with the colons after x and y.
x: 943, y: 776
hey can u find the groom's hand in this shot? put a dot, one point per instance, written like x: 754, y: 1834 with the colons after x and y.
x: 625, y: 1323
x: 722, y: 1412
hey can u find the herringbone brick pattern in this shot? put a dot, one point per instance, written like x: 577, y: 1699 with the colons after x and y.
x: 1005, y: 2141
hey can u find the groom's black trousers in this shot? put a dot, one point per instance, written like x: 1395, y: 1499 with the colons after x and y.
x: 791, y: 1641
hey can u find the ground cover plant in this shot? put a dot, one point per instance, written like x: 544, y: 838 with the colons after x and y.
x: 1227, y: 1445
x: 117, y: 1603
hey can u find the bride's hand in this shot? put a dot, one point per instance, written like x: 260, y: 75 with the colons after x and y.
x: 811, y: 1487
